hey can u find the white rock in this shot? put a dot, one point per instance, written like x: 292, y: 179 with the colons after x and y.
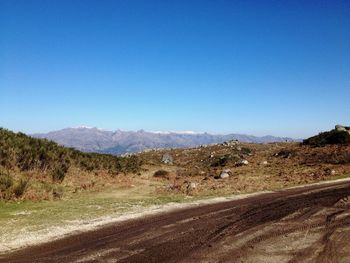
x: 224, y: 175
x: 167, y: 159
x: 340, y: 128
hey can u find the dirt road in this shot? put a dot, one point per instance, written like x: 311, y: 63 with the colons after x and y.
x: 310, y: 224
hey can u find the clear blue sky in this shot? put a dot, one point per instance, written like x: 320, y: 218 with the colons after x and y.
x: 257, y: 67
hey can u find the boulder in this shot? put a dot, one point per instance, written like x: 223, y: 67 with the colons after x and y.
x: 329, y: 171
x: 340, y: 128
x: 167, y: 159
x: 224, y: 175
x: 231, y: 143
x: 192, y: 185
x: 242, y: 162
x: 245, y: 162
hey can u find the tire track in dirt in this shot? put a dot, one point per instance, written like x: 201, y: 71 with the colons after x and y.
x: 230, y: 231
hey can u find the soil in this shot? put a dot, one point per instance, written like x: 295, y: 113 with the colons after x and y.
x: 309, y: 224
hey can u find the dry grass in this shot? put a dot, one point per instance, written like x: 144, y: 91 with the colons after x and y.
x: 270, y: 166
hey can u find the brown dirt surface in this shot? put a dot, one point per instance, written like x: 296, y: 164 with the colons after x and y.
x: 307, y: 224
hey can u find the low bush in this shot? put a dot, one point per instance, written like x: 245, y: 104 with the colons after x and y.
x: 285, y: 154
x: 220, y: 161
x: 20, y: 187
x: 246, y: 151
x: 133, y: 164
x: 59, y: 172
x: 6, y: 181
x: 161, y: 174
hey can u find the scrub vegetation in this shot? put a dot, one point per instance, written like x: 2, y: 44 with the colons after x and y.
x: 27, y: 162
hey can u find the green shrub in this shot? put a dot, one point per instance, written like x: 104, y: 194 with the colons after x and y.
x: 246, y: 151
x: 59, y: 172
x: 6, y: 181
x: 285, y: 153
x: 20, y: 187
x: 220, y: 161
x: 133, y: 164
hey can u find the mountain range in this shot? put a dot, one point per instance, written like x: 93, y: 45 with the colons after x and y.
x: 120, y: 142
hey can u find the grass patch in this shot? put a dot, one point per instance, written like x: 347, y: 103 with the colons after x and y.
x: 342, y: 176
x: 20, y: 219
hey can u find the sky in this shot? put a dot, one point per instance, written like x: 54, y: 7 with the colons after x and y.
x: 256, y: 67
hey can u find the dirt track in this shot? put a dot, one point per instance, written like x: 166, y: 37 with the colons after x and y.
x: 298, y: 225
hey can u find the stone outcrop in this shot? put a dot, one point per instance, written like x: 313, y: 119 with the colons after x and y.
x: 341, y: 128
x: 167, y: 159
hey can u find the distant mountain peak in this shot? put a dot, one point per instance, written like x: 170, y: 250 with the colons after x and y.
x: 176, y: 132
x: 88, y: 128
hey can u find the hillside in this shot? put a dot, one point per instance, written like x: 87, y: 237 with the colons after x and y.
x: 37, y: 167
x: 120, y: 142
x: 339, y: 135
x: 235, y: 167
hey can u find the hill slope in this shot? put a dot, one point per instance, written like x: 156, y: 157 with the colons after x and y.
x: 24, y: 159
x: 339, y: 135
